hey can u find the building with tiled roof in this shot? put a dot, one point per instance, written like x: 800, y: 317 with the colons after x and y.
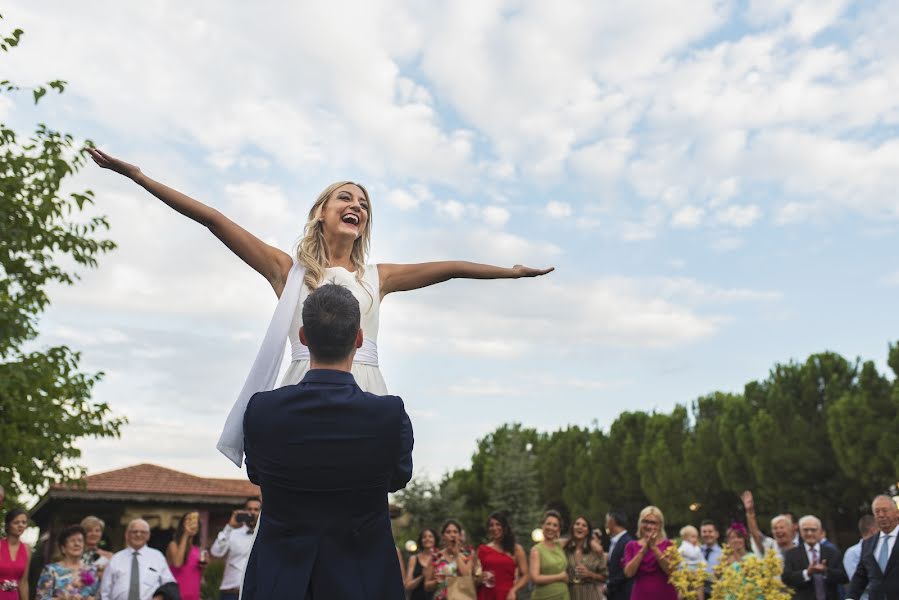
x: 157, y: 494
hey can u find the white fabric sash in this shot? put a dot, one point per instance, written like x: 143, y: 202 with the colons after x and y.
x: 366, y: 355
x: 264, y: 373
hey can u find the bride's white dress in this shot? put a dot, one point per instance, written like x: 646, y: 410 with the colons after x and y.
x: 365, y: 363
x: 285, y: 326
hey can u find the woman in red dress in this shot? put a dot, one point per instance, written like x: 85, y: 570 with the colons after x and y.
x: 500, y: 559
x: 14, y: 557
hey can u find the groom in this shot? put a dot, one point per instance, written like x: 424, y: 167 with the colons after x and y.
x: 326, y: 454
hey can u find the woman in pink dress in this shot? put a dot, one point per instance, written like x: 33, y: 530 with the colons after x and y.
x: 184, y: 557
x: 644, y: 560
x: 14, y: 557
x: 500, y: 558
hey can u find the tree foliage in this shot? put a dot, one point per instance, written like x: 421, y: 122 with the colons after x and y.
x: 45, y: 401
x: 820, y: 436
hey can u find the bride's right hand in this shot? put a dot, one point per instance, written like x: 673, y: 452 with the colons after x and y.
x: 113, y: 164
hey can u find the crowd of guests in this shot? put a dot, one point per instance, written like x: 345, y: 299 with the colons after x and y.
x: 564, y: 564
x: 575, y: 565
x: 85, y: 571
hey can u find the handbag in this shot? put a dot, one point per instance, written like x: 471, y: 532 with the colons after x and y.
x: 462, y: 587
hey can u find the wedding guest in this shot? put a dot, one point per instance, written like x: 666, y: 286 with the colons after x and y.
x: 549, y: 565
x: 867, y: 527
x: 14, y: 557
x: 711, y: 551
x: 184, y: 556
x: 501, y: 558
x: 782, y: 530
x: 876, y: 571
x: 418, y: 565
x: 618, y: 586
x: 587, y: 567
x: 813, y: 570
x: 738, y: 543
x: 644, y: 559
x: 234, y: 544
x: 69, y: 578
x: 689, y: 547
x: 449, y: 560
x: 760, y: 543
x: 137, y: 571
x: 93, y: 535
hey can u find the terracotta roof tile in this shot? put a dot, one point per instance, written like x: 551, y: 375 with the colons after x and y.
x: 153, y: 479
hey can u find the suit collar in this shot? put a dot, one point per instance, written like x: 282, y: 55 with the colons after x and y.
x: 329, y: 376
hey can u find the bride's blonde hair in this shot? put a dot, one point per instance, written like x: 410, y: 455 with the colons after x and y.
x: 312, y: 251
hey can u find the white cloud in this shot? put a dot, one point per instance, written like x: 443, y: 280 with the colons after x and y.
x: 496, y: 216
x: 451, y: 208
x: 891, y: 279
x: 403, y: 199
x: 738, y: 216
x: 688, y: 217
x: 558, y: 210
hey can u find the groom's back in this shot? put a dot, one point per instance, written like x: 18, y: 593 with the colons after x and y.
x: 321, y: 440
x: 325, y: 455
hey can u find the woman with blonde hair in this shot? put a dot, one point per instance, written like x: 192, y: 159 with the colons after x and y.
x: 94, y: 555
x: 644, y: 559
x: 334, y: 248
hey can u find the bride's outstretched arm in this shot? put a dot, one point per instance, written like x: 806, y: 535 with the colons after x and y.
x: 268, y: 261
x: 401, y: 278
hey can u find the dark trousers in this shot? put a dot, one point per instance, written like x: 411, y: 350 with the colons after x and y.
x: 228, y: 596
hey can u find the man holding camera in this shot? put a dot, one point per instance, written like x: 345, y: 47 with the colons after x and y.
x: 234, y: 543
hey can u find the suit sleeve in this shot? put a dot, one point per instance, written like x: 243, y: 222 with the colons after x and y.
x: 792, y: 575
x: 835, y: 571
x: 860, y: 578
x: 402, y: 472
x: 616, y: 576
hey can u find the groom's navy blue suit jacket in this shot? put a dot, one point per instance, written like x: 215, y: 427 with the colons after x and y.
x: 325, y: 454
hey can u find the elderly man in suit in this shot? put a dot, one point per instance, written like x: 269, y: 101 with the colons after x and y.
x: 878, y: 571
x: 813, y: 569
x: 326, y: 454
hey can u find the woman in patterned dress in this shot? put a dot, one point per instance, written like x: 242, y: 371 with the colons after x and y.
x: 587, y: 564
x: 450, y: 560
x: 69, y: 578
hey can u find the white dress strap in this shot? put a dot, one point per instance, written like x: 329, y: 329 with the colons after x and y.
x: 264, y: 374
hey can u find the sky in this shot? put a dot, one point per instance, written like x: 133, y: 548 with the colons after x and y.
x: 714, y: 182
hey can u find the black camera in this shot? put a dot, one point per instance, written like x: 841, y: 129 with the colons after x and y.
x: 243, y: 517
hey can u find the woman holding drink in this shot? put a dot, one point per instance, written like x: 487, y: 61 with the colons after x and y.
x: 501, y: 558
x: 185, y: 558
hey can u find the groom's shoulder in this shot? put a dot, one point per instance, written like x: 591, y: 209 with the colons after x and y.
x: 385, y: 400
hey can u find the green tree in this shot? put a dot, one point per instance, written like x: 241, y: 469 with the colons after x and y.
x: 793, y: 461
x: 513, y: 485
x: 45, y: 404
x: 862, y: 425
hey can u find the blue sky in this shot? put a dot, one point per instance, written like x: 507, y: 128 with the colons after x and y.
x: 713, y: 181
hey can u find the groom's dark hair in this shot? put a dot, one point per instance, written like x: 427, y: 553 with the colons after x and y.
x: 330, y: 321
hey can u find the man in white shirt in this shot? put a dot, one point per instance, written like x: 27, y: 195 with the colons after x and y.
x: 234, y: 543
x: 137, y: 571
x: 867, y: 527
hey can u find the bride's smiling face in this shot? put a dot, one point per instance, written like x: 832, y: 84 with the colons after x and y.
x: 346, y: 212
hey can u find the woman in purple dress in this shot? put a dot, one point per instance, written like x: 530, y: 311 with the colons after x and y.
x: 644, y: 560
